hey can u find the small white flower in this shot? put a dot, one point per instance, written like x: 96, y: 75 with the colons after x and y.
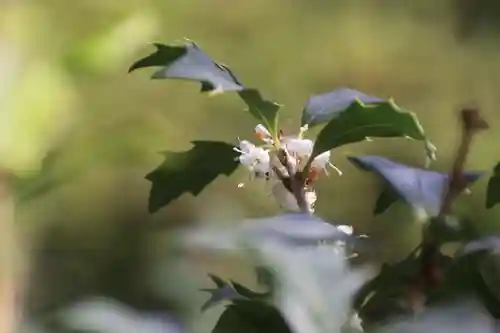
x: 245, y: 146
x: 320, y: 165
x: 347, y: 229
x: 300, y: 148
x: 255, y: 159
x: 287, y: 200
x: 322, y: 162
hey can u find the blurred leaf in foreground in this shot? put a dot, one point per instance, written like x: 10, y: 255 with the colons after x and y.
x: 109, y: 316
x: 304, y: 292
x: 295, y: 229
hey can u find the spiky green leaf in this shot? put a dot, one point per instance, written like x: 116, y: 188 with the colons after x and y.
x: 190, y: 171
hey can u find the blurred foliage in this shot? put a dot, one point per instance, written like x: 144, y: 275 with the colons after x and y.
x: 72, y: 90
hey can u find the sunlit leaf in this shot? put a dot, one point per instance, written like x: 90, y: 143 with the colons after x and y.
x: 493, y: 190
x: 418, y: 187
x: 189, y: 62
x: 297, y: 229
x: 190, y: 171
x: 360, y: 121
x: 322, y: 108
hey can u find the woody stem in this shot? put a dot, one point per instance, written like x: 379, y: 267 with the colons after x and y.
x: 295, y: 182
x: 430, y: 270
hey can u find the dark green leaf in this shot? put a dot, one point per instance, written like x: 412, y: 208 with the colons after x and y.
x: 262, y: 109
x: 466, y: 276
x: 385, y: 200
x: 384, y: 295
x: 189, y: 62
x: 445, y: 229
x: 217, y: 280
x: 251, y: 317
x: 322, y: 108
x: 493, y: 190
x: 490, y: 273
x: 164, y: 56
x: 190, y: 171
x: 223, y: 292
x: 360, y: 121
x: 248, y: 293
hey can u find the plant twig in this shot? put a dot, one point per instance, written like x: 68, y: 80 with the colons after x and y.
x: 295, y: 181
x: 430, y: 273
x: 471, y: 124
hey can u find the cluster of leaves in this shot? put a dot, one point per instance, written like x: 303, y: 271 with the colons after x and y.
x: 347, y: 116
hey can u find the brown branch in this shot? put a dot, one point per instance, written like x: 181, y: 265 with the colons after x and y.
x: 471, y: 124
x: 430, y: 273
x: 295, y: 181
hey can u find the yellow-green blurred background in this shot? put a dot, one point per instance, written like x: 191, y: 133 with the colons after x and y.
x: 70, y: 90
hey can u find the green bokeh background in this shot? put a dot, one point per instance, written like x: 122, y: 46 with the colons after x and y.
x: 114, y: 124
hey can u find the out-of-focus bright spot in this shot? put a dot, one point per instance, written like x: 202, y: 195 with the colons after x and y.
x: 26, y: 24
x: 111, y: 50
x: 241, y: 185
x: 36, y: 111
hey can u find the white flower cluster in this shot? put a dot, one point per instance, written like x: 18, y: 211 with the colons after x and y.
x: 262, y: 162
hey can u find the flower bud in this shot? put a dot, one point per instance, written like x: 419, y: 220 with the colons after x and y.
x: 262, y: 133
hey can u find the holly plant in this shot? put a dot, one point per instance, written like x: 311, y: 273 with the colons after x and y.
x: 307, y: 265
